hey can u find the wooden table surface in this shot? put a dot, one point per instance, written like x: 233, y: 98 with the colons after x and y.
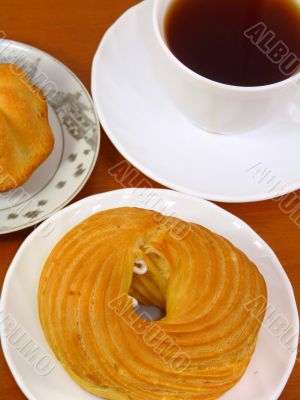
x: 71, y: 31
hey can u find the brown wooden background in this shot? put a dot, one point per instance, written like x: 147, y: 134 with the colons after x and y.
x: 71, y: 31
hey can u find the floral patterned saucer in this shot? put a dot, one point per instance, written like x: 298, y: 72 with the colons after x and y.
x: 76, y: 129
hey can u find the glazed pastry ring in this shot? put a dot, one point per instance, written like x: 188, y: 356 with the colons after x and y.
x: 214, y: 298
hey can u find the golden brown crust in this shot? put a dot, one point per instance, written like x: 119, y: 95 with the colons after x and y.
x: 215, y: 300
x: 26, y: 139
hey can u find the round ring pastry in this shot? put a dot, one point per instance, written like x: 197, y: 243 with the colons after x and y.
x: 214, y: 300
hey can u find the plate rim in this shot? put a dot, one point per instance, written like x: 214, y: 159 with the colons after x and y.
x: 139, y: 164
x: 38, y: 220
x: 130, y: 191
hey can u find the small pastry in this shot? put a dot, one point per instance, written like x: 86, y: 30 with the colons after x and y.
x: 26, y: 139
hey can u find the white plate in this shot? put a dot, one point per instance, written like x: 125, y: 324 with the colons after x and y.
x: 272, y: 363
x: 76, y: 130
x: 148, y: 130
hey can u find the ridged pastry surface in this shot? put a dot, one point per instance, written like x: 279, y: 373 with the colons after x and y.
x: 26, y: 139
x: 203, y: 346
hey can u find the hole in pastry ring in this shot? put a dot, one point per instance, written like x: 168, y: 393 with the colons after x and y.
x: 214, y: 297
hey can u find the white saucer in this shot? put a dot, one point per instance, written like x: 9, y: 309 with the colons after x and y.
x: 148, y: 130
x: 76, y: 129
x: 42, y: 377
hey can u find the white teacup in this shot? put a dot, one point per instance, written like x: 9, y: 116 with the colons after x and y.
x: 213, y: 106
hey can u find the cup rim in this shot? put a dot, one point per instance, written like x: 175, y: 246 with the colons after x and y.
x: 194, y: 75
